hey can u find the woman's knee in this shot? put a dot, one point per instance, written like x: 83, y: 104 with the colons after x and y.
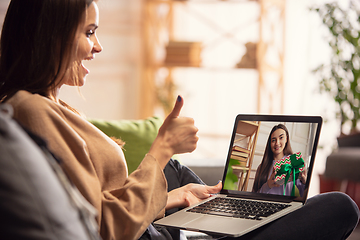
x: 340, y: 202
x: 350, y: 207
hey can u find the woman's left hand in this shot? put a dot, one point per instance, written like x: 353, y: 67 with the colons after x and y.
x: 303, y: 176
x: 190, y: 194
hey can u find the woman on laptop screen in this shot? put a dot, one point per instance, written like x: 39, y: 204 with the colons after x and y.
x: 270, y: 176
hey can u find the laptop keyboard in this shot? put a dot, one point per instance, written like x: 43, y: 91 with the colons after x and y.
x: 238, y: 208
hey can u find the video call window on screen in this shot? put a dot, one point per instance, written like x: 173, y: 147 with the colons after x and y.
x: 270, y: 157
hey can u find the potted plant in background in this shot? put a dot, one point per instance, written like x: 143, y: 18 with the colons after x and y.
x: 340, y: 78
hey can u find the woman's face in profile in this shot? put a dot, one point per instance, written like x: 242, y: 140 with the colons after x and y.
x: 87, y: 45
x: 278, y: 142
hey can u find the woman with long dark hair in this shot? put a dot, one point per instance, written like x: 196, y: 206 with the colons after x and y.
x: 277, y: 147
x: 44, y: 46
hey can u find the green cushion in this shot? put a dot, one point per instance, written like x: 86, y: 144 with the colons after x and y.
x: 138, y: 136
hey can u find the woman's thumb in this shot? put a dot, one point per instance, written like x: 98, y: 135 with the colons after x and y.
x: 216, y: 188
x: 177, y: 108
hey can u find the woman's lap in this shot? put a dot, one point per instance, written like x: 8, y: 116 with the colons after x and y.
x: 325, y: 216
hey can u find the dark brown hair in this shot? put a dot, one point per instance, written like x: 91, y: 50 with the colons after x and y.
x: 264, y: 168
x: 37, y: 42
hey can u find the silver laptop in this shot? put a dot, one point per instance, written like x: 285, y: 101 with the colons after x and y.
x: 248, y: 200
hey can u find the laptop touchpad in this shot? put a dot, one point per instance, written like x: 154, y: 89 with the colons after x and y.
x: 216, y: 223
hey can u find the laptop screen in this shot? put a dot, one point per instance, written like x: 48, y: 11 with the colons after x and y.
x: 272, y: 155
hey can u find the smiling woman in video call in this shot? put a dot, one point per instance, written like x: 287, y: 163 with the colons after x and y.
x: 277, y: 147
x: 44, y: 44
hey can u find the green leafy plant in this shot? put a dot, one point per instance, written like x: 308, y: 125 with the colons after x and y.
x: 340, y: 78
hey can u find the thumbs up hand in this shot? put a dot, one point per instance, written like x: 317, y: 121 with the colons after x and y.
x: 176, y: 135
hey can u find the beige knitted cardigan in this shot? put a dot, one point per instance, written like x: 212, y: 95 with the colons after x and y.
x: 96, y: 164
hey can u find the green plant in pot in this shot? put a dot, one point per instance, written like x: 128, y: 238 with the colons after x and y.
x: 340, y: 78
